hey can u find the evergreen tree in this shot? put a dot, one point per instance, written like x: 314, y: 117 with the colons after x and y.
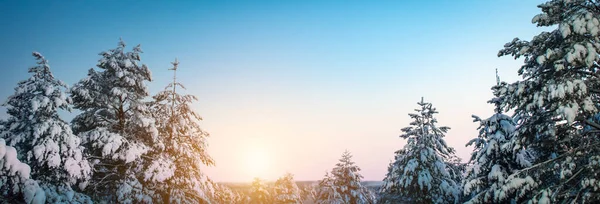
x: 259, y: 193
x: 180, y: 152
x: 553, y: 106
x: 286, y: 190
x: 491, y: 161
x: 327, y: 191
x: 420, y: 172
x: 347, y: 180
x: 42, y: 139
x: 343, y: 184
x: 115, y: 124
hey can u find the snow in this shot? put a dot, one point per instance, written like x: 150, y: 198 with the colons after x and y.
x: 12, y: 167
x: 134, y: 151
x: 564, y: 29
x: 568, y: 112
x: 541, y: 59
x: 160, y: 170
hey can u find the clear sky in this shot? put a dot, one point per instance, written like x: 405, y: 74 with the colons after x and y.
x: 287, y: 86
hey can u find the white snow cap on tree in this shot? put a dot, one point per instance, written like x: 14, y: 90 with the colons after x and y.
x: 420, y: 172
x: 15, y: 177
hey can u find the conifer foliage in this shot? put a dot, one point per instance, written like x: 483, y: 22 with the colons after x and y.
x: 420, y: 172
x: 115, y: 124
x: 554, y: 104
x: 492, y: 160
x: 286, y: 190
x: 42, y: 139
x: 15, y: 178
x: 180, y: 151
x: 343, y: 185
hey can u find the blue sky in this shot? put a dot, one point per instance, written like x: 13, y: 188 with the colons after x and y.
x: 300, y: 81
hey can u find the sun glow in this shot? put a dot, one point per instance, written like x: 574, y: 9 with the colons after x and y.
x: 257, y: 163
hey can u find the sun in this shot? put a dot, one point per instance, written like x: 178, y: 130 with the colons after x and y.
x: 257, y: 163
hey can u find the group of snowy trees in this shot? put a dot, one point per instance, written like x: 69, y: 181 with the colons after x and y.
x: 127, y: 147
x: 284, y: 190
x: 342, y: 185
x: 123, y: 146
x: 548, y: 151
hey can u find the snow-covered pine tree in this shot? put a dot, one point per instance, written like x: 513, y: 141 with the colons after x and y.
x: 347, y: 181
x: 390, y: 195
x: 42, y: 139
x: 285, y: 190
x: 553, y: 104
x: 420, y: 173
x: 259, y: 193
x: 492, y: 161
x: 175, y: 162
x: 327, y: 191
x: 115, y: 124
x: 15, y: 181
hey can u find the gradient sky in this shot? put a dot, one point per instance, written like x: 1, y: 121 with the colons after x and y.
x: 299, y: 81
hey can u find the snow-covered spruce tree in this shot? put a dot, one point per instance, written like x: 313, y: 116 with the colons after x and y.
x: 327, y: 191
x: 42, y: 139
x: 259, y: 192
x: 115, y: 125
x: 553, y: 105
x: 15, y: 182
x: 347, y: 181
x: 180, y: 152
x: 490, y: 162
x: 420, y: 173
x: 285, y: 190
x: 343, y: 184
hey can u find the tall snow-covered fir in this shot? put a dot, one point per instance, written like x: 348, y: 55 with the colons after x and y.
x: 285, y: 190
x: 420, y: 172
x: 492, y: 160
x: 343, y: 184
x: 42, y: 139
x: 553, y: 106
x: 115, y: 125
x: 181, y: 148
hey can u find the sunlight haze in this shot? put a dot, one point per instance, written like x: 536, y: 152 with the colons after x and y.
x: 287, y: 86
